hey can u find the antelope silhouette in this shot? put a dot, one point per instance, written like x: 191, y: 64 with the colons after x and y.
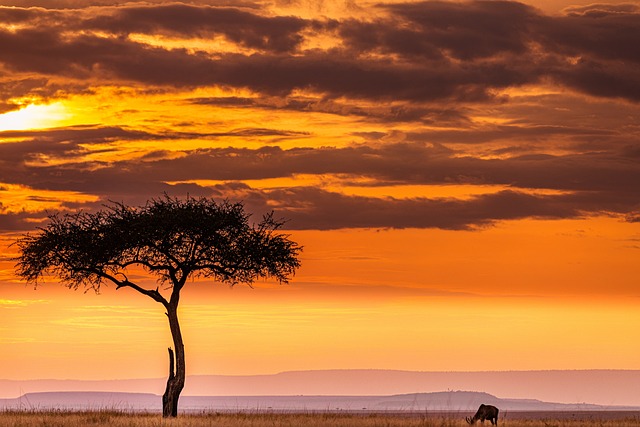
x: 485, y: 412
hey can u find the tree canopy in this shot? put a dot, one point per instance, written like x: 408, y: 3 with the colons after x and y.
x: 170, y: 238
x: 173, y: 240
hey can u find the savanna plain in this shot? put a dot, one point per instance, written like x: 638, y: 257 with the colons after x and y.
x: 122, y: 419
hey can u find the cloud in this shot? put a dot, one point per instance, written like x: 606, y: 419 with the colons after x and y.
x: 633, y: 216
x: 278, y: 33
x: 398, y: 163
x: 9, y: 303
x: 380, y: 113
x: 88, y: 56
x: 314, y: 208
x: 416, y: 52
x: 60, y: 143
x: 17, y: 88
x: 75, y: 141
x: 244, y: 27
x: 612, y: 80
x: 344, y: 76
x: 447, y: 93
x: 586, y: 183
x: 437, y: 29
x: 78, y: 4
x: 402, y: 163
x: 20, y: 221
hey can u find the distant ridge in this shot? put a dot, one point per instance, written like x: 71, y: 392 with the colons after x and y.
x: 450, y: 402
x: 602, y: 387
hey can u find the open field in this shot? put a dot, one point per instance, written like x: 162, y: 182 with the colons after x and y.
x: 125, y: 419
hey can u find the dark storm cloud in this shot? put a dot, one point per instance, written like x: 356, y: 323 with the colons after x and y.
x: 85, y: 134
x: 595, y: 32
x: 277, y: 34
x: 380, y: 113
x: 398, y: 163
x: 424, y: 52
x: 20, y: 221
x: 514, y: 133
x: 68, y: 143
x: 15, y: 89
x: 24, y: 146
x: 338, y: 76
x: 244, y: 27
x: 490, y: 29
x: 598, y: 79
x: 313, y: 208
x: 589, y: 183
x: 424, y: 61
x: 89, y: 56
x: 591, y: 50
x: 12, y: 88
x: 467, y: 31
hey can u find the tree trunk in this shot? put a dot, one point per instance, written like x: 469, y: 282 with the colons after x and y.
x: 175, y: 382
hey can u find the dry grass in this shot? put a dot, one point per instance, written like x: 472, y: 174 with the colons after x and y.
x: 125, y: 419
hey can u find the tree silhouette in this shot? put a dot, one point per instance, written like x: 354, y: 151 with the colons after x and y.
x: 171, y: 239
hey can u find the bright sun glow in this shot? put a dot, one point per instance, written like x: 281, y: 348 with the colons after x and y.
x: 33, y: 117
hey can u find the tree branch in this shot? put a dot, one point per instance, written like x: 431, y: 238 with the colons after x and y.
x: 143, y: 263
x: 151, y: 293
x: 223, y: 271
x: 166, y: 254
x: 195, y: 244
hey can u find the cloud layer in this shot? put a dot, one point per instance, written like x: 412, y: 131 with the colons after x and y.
x: 419, y: 51
x: 544, y: 109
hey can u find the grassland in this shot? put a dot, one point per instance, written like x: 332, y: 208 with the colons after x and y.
x: 125, y: 419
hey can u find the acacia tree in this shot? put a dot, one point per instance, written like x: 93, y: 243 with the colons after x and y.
x: 171, y: 239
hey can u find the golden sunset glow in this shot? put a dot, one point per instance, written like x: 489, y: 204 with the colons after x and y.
x: 452, y: 169
x: 18, y: 198
x: 33, y: 117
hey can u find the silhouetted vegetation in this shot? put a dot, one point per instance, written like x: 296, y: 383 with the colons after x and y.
x: 171, y: 239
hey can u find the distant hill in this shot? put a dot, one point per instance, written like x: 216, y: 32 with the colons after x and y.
x: 451, y: 402
x: 602, y: 387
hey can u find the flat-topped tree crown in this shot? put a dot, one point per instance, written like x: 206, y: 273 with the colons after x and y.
x: 172, y: 239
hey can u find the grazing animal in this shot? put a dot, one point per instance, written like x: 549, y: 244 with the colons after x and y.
x: 485, y: 412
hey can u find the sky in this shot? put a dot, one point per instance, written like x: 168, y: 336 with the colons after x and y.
x: 464, y: 178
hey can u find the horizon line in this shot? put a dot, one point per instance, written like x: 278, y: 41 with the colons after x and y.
x: 339, y: 370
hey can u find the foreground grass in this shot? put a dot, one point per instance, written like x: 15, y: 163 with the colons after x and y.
x: 125, y: 419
